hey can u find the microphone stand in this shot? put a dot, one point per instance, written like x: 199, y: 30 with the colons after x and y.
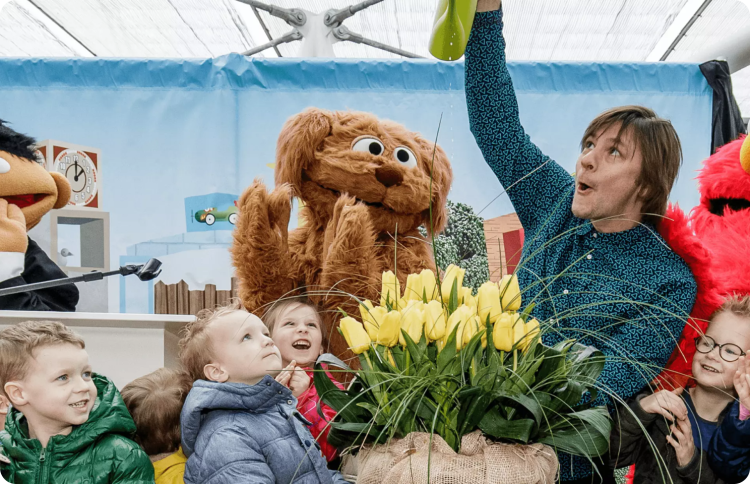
x: 145, y: 272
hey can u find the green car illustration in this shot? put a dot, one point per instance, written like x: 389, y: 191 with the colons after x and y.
x: 210, y: 216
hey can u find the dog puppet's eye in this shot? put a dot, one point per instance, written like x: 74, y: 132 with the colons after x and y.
x: 405, y: 156
x: 369, y: 145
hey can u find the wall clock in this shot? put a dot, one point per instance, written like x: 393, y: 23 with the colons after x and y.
x: 81, y: 173
x: 81, y: 166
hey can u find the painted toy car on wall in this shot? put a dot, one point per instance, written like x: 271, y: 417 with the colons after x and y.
x: 210, y: 215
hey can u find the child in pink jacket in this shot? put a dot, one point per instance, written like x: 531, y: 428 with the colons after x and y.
x: 296, y: 329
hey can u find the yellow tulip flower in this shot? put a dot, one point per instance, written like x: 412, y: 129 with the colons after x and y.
x: 365, y: 310
x: 391, y: 289
x: 502, y: 333
x: 519, y: 329
x: 465, y: 297
x: 471, y: 327
x: 488, y: 302
x: 452, y: 273
x: 531, y: 328
x: 434, y: 316
x: 412, y: 321
x: 354, y: 334
x: 413, y: 291
x: 389, y: 329
x: 429, y: 284
x: 374, y: 320
x: 510, y: 293
x: 459, y: 316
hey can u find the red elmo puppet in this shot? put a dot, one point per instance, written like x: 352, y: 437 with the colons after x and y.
x: 715, y: 242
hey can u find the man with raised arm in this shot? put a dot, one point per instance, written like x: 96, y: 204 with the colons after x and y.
x: 593, y: 262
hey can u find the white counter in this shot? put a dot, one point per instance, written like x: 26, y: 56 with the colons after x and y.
x: 120, y: 346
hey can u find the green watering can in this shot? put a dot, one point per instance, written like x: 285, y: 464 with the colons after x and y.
x: 451, y: 29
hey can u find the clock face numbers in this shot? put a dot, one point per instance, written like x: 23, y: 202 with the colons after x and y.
x: 81, y: 173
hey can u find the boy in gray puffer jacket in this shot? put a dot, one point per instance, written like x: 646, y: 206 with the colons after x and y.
x: 239, y: 424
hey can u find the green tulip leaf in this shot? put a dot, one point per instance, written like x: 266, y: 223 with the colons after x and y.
x: 494, y: 425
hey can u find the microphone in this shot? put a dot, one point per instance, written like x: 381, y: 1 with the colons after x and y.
x: 145, y: 272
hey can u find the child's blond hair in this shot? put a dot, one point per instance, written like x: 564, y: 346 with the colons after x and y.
x: 737, y: 304
x: 18, y: 343
x: 196, y: 348
x: 272, y: 316
x: 155, y: 402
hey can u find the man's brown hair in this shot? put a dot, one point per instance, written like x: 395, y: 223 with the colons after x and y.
x: 155, y: 402
x: 18, y: 343
x: 196, y: 349
x: 660, y: 148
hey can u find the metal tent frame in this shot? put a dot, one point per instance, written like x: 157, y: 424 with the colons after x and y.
x: 317, y: 32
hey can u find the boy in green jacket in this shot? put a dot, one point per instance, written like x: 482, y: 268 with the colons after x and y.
x: 66, y: 425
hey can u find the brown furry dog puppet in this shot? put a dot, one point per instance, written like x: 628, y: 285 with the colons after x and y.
x: 367, y: 185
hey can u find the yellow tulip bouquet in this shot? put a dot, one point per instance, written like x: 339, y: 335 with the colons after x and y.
x: 439, y: 359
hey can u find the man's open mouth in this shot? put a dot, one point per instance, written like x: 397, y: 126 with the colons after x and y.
x: 302, y: 344
x: 583, y: 188
x: 23, y: 201
x: 717, y: 206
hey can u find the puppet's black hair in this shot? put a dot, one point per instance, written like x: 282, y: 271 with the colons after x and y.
x: 16, y: 143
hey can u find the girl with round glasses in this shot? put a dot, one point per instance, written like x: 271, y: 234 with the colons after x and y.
x: 680, y: 424
x: 729, y: 450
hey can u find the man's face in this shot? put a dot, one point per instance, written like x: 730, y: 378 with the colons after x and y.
x: 244, y: 351
x: 58, y: 391
x: 606, y: 176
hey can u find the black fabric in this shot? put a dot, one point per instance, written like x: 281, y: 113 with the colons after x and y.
x: 39, y: 268
x: 729, y: 451
x: 654, y: 458
x: 726, y: 123
x: 606, y: 475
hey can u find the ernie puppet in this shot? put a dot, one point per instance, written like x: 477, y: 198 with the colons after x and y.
x: 27, y: 192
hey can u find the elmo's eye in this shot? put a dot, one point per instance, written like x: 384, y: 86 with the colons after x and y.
x: 369, y: 145
x: 405, y: 156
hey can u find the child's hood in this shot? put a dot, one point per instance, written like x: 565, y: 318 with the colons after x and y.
x: 206, y: 396
x: 109, y: 416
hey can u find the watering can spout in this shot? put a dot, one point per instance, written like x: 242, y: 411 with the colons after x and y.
x: 451, y: 28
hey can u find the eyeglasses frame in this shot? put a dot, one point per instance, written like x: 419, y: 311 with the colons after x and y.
x: 717, y: 345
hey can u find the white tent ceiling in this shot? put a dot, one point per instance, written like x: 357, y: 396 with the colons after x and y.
x: 585, y: 30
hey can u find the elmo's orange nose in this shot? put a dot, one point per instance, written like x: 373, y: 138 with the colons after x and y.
x: 745, y: 155
x: 389, y: 175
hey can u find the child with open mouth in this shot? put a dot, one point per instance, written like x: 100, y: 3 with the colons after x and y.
x: 296, y: 329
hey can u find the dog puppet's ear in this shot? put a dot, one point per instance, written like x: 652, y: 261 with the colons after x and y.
x: 442, y: 177
x: 300, y: 137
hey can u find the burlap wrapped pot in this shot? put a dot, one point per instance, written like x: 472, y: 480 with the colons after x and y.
x: 480, y: 461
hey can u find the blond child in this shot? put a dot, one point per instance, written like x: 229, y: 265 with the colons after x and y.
x: 296, y: 329
x: 155, y: 402
x: 680, y: 424
x: 66, y: 425
x: 4, y: 407
x: 239, y: 424
x: 729, y: 452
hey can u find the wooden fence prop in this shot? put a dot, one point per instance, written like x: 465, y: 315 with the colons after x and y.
x: 179, y: 299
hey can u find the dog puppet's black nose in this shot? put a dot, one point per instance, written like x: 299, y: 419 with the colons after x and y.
x: 389, y: 175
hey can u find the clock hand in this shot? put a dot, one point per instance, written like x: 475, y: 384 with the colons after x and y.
x: 75, y: 171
